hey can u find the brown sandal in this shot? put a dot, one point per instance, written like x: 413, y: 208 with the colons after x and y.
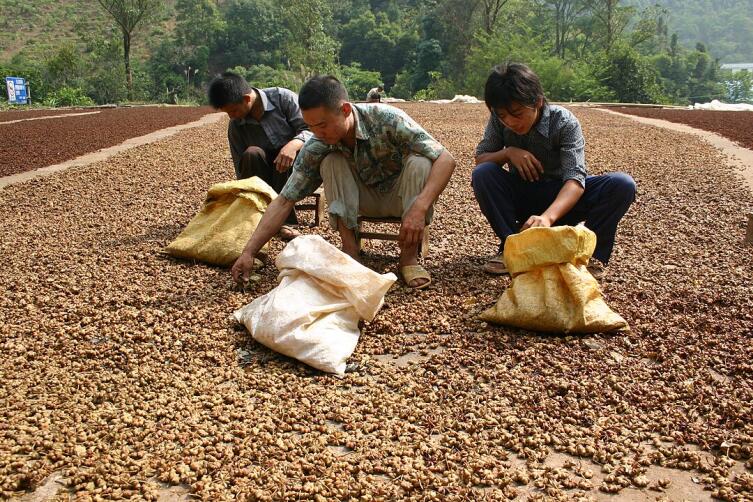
x: 412, y: 272
x: 496, y: 266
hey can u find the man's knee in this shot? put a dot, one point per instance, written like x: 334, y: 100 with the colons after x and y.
x: 419, y: 167
x: 254, y: 152
x: 332, y: 166
x: 483, y: 173
x: 623, y: 186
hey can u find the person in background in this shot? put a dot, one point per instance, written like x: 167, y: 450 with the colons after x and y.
x: 375, y: 95
x: 265, y: 133
x: 531, y: 169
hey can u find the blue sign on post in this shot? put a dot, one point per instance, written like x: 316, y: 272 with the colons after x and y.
x: 17, y: 94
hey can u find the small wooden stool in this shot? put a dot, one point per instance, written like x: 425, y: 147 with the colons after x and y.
x: 317, y: 206
x: 423, y: 249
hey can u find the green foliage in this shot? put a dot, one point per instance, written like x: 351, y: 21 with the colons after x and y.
x: 595, y: 50
x: 65, y: 67
x: 359, y: 81
x: 265, y: 76
x: 739, y: 86
x: 725, y: 26
x: 428, y: 59
x: 32, y: 71
x: 403, y: 88
x: 309, y: 48
x: 630, y: 77
x: 561, y: 80
x: 377, y: 44
x: 68, y: 96
x: 255, y: 34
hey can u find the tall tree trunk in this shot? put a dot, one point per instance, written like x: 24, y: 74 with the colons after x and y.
x: 127, y: 62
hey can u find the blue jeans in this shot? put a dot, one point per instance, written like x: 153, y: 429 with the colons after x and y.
x: 507, y: 201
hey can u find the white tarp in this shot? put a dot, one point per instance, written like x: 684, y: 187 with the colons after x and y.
x: 459, y: 98
x: 313, y: 314
x: 725, y: 107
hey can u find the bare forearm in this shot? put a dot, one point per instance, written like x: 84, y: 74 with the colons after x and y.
x: 568, y: 196
x: 439, y: 176
x: 270, y: 224
x: 296, y: 143
x: 498, y: 157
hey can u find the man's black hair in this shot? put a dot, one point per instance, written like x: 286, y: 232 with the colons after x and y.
x: 227, y: 89
x: 512, y: 83
x: 322, y: 90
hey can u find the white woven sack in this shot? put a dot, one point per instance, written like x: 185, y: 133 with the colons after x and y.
x: 313, y: 314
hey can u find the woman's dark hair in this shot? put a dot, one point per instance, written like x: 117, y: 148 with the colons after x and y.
x: 227, y: 89
x: 322, y: 90
x: 512, y: 83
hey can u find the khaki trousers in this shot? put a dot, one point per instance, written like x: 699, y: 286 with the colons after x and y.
x: 348, y: 197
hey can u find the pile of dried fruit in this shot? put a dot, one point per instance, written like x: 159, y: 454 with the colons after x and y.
x: 66, y: 138
x: 122, y: 373
x: 737, y: 126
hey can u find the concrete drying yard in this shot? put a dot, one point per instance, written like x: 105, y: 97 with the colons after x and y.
x: 122, y: 376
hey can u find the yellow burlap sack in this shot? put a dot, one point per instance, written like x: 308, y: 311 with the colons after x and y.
x: 219, y: 232
x: 551, y: 288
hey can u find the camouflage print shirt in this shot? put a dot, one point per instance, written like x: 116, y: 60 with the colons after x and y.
x: 384, y: 137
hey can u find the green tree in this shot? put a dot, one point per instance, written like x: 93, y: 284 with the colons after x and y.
x: 564, y: 14
x: 308, y: 46
x: 630, y: 77
x: 377, y: 44
x: 128, y: 14
x: 428, y: 59
x: 739, y: 86
x: 198, y: 23
x: 359, y: 81
x: 65, y: 68
x: 266, y: 76
x: 255, y: 34
x: 610, y: 18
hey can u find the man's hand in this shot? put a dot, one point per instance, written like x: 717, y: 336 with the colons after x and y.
x: 537, y: 221
x: 287, y: 155
x: 412, y: 227
x: 528, y: 166
x: 242, y: 268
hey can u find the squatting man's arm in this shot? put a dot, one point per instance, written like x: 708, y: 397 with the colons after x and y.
x: 411, y: 230
x: 566, y: 199
x: 287, y: 155
x: 530, y: 169
x: 412, y: 227
x: 271, y: 222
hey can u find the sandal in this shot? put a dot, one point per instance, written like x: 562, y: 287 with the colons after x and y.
x: 496, y: 266
x: 596, y: 268
x: 287, y: 233
x: 412, y: 272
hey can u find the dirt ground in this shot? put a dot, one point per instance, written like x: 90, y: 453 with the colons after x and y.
x: 123, y: 376
x: 37, y: 143
x: 737, y: 126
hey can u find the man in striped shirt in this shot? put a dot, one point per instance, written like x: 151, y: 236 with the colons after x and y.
x: 531, y: 168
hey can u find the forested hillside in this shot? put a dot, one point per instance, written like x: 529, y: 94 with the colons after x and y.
x: 597, y: 50
x: 724, y: 26
x: 36, y: 27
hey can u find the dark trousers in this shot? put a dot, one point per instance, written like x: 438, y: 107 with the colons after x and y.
x: 507, y: 201
x: 256, y: 161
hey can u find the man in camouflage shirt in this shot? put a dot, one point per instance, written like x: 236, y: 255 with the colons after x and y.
x: 373, y: 160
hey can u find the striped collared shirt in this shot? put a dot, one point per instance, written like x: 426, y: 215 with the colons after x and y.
x: 556, y: 140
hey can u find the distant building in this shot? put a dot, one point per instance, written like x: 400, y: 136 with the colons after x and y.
x: 738, y: 66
